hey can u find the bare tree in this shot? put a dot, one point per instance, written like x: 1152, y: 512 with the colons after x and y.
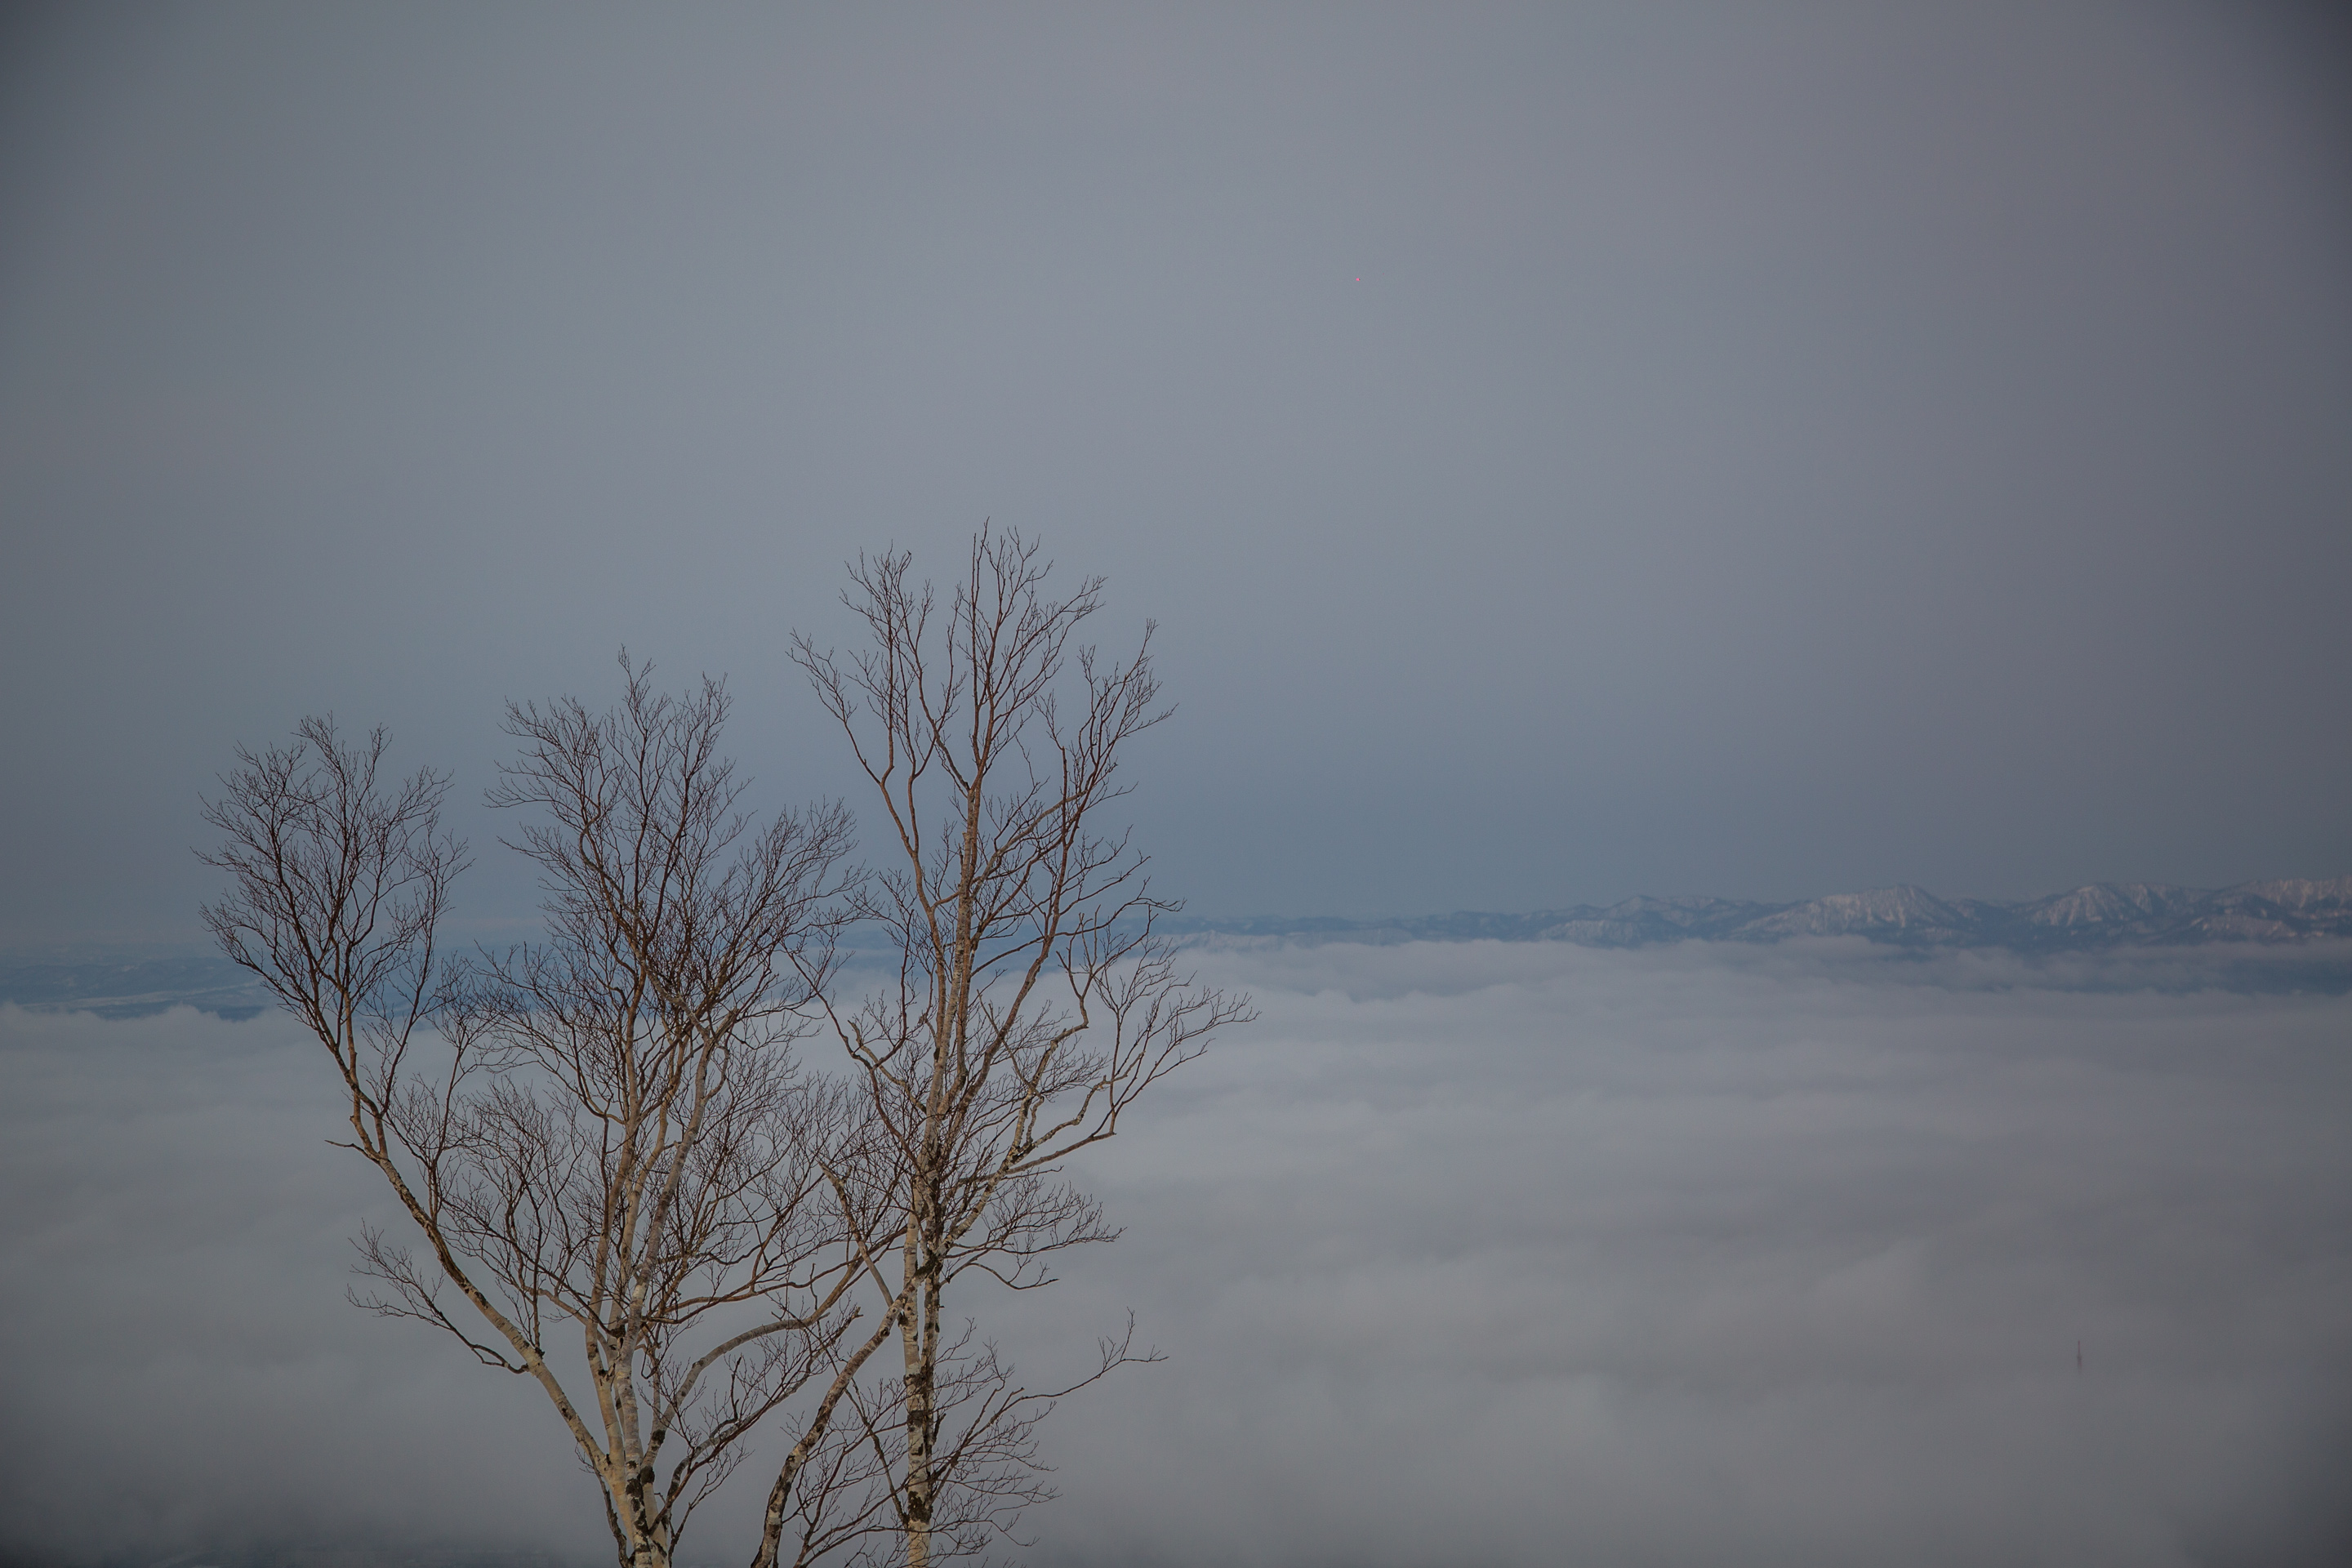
x: 1032, y: 998
x: 984, y: 1459
x: 602, y: 1137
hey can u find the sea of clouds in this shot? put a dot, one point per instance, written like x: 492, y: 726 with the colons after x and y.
x: 1471, y: 1253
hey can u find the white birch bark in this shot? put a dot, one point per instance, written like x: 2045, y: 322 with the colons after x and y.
x: 1033, y: 1001
x: 604, y: 1132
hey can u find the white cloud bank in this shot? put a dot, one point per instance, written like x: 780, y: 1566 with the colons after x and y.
x: 1472, y: 1252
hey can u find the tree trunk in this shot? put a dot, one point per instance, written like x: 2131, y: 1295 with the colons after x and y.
x: 921, y: 1338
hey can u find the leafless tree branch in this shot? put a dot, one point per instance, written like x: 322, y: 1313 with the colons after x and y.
x: 1032, y: 998
x: 600, y: 1138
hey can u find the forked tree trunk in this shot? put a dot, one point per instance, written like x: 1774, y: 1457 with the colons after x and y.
x: 1031, y: 976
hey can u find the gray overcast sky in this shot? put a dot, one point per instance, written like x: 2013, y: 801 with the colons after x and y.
x: 1572, y: 450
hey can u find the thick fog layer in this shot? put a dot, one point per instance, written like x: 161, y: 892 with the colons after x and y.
x: 1478, y: 1253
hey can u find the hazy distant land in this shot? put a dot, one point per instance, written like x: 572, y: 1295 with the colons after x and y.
x: 2291, y: 927
x: 2099, y: 916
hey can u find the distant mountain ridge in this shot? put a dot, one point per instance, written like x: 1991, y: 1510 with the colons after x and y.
x: 2092, y: 918
x: 2100, y: 917
x: 132, y: 987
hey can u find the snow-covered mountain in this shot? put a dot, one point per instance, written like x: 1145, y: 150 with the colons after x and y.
x: 2100, y: 915
x: 2107, y: 905
x: 2103, y: 916
x: 1903, y: 911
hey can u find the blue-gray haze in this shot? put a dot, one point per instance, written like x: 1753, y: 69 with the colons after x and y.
x: 1571, y: 451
